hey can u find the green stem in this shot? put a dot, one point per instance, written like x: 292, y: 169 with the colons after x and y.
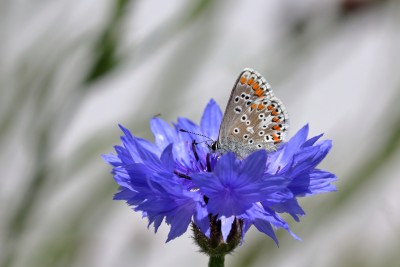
x: 216, y: 261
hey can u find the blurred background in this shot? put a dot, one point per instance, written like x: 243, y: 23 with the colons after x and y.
x: 71, y: 70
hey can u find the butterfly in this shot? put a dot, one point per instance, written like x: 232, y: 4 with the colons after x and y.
x: 254, y: 118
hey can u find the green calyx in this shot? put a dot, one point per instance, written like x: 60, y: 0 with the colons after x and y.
x: 215, y: 247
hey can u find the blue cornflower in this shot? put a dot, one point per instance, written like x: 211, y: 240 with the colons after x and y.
x: 181, y: 180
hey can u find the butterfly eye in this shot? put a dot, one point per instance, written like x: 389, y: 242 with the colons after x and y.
x: 214, y: 146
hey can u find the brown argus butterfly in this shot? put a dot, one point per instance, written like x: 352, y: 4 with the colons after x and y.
x: 254, y: 118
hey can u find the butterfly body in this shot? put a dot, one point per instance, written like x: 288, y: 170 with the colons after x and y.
x: 254, y: 118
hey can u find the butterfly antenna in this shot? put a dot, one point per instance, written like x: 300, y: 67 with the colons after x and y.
x: 189, y: 132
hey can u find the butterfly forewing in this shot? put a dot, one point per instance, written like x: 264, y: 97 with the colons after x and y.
x: 254, y: 118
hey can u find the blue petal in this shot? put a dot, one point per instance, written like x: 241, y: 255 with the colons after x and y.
x: 167, y: 158
x: 223, y: 200
x: 227, y: 205
x: 211, y: 120
x: 277, y: 197
x: 149, y: 146
x: 112, y: 159
x: 128, y: 142
x: 265, y: 227
x: 164, y: 134
x: 321, y: 181
x: 297, y: 140
x: 165, y: 196
x: 208, y: 183
x: 274, y: 183
x: 309, y: 157
x: 123, y: 194
x: 157, y: 222
x: 245, y: 227
x: 324, y: 148
x: 131, y: 144
x: 138, y: 174
x: 315, y: 182
x: 179, y: 221
x: 262, y: 218
x: 312, y: 140
x: 227, y: 168
x: 254, y: 166
x: 284, y: 157
x: 289, y: 206
x: 124, y: 155
x: 188, y: 125
x: 231, y: 194
x: 147, y: 156
x: 201, y: 219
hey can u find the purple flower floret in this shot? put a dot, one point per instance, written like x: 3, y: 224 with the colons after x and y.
x: 181, y: 180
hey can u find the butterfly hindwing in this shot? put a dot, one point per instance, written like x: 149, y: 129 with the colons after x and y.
x: 254, y: 118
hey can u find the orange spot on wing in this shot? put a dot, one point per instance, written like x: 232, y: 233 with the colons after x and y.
x: 259, y: 92
x: 243, y: 80
x: 256, y: 86
x: 251, y: 81
x: 270, y: 107
x: 260, y: 106
x: 276, y: 127
x: 274, y: 113
x: 275, y: 119
x: 275, y: 138
x: 253, y: 106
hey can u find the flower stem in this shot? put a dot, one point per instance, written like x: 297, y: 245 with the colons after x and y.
x: 216, y: 261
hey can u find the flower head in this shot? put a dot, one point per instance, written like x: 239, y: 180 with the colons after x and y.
x: 179, y: 179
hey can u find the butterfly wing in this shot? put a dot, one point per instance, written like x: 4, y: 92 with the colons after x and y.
x: 254, y: 118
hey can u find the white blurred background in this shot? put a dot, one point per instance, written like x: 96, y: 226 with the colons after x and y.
x: 71, y: 70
